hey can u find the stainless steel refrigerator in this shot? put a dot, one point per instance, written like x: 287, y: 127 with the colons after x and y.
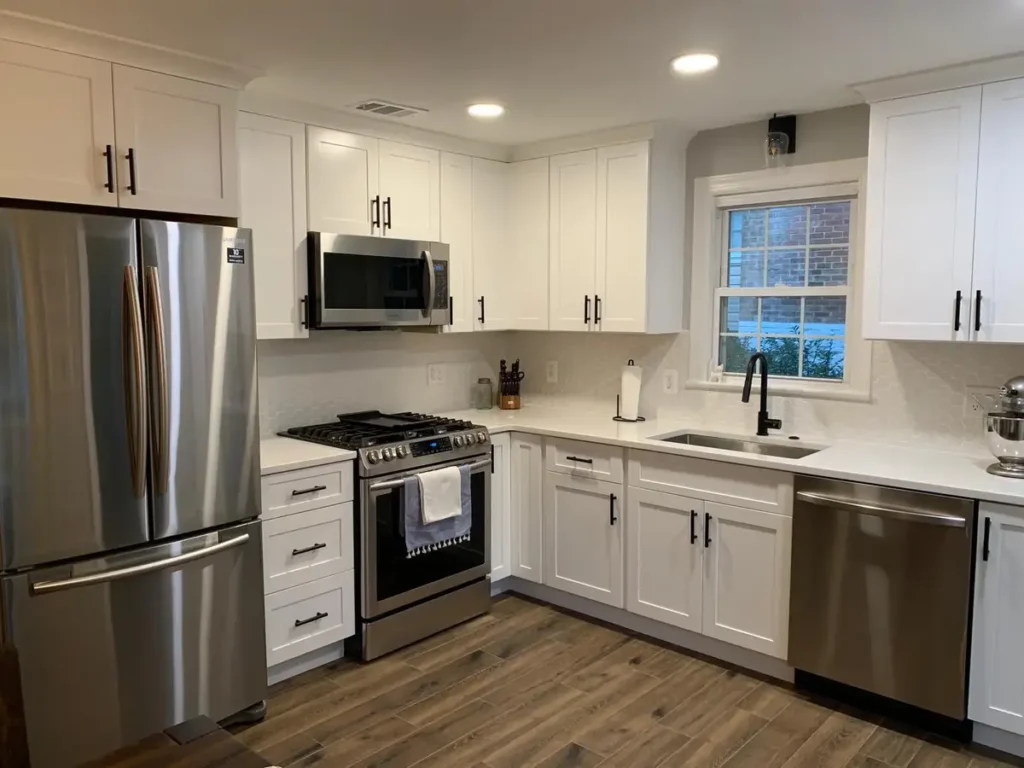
x: 131, y: 583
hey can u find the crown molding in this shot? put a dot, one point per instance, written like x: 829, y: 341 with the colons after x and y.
x: 943, y: 78
x: 21, y: 28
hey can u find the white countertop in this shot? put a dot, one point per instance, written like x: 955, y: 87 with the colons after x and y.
x: 281, y: 454
x: 917, y: 469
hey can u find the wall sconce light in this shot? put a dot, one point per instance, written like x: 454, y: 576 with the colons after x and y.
x: 780, y: 141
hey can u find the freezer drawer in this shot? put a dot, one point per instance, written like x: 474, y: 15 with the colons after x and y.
x: 114, y: 649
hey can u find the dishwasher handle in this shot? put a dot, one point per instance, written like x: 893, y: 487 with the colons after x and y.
x: 860, y: 507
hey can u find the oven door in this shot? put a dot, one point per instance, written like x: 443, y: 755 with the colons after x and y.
x: 390, y: 579
x: 374, y: 281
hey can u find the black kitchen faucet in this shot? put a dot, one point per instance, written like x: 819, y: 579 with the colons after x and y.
x: 763, y: 422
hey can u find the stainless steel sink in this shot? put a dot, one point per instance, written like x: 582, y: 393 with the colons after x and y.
x: 741, y: 445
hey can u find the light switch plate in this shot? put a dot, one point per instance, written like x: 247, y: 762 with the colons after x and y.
x: 552, y: 371
x: 670, y: 381
x: 435, y: 374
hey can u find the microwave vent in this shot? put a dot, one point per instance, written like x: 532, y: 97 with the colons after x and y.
x: 386, y: 108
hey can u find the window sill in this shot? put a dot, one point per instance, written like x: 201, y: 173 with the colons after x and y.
x: 821, y: 392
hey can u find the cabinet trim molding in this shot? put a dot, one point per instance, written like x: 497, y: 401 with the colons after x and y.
x: 943, y: 78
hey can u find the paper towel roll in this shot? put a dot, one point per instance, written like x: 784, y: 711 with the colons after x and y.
x: 629, y: 393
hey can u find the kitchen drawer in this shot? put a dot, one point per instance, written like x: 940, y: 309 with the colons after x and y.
x: 719, y: 481
x: 307, y: 546
x: 593, y: 460
x: 287, y: 492
x: 310, y: 616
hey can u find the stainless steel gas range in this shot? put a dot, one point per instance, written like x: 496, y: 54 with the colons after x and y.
x: 403, y: 599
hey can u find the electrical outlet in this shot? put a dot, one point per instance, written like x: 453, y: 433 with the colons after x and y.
x: 670, y: 381
x: 979, y: 400
x: 435, y: 374
x: 552, y: 371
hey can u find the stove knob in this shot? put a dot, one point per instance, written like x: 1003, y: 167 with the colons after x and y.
x: 403, y: 451
x: 373, y: 457
x: 481, y: 437
x: 471, y: 439
x: 458, y: 442
x: 388, y: 454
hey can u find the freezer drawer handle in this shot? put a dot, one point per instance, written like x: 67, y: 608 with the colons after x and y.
x: 314, y: 489
x: 44, y: 587
x: 305, y: 550
x: 911, y: 516
x: 311, y: 619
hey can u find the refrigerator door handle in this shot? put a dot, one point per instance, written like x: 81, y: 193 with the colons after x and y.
x: 158, y: 379
x: 44, y: 587
x: 134, y: 383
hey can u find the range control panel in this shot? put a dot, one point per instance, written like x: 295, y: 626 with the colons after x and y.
x: 427, y: 447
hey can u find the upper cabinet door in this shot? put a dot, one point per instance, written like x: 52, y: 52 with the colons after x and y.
x: 58, y: 120
x: 573, y: 247
x: 919, y: 249
x: 176, y: 143
x: 493, y: 294
x: 410, y: 190
x: 622, y: 197
x: 527, y: 275
x: 998, y: 239
x: 343, y: 185
x: 272, y: 159
x: 457, y: 232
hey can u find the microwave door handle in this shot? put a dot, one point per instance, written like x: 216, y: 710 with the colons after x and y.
x: 428, y: 302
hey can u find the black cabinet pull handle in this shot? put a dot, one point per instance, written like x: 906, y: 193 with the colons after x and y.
x: 375, y: 213
x: 492, y: 458
x: 577, y: 458
x: 304, y: 311
x: 693, y: 526
x: 586, y: 310
x: 314, y: 489
x: 611, y: 508
x: 109, y: 154
x: 387, y: 213
x: 707, y: 530
x: 984, y: 543
x: 956, y: 311
x: 451, y: 310
x: 481, y: 300
x: 597, y: 309
x: 314, y: 548
x: 977, y: 312
x: 132, y: 186
x: 311, y: 619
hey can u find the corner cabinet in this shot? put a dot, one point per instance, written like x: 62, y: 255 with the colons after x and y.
x: 501, y: 507
x: 942, y: 242
x: 272, y: 181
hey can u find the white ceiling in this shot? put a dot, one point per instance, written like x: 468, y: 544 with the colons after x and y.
x: 563, y: 66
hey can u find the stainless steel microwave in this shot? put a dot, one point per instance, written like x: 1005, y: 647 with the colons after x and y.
x: 376, y: 282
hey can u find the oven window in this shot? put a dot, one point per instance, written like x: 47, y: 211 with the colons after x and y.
x: 354, y: 281
x: 397, y: 574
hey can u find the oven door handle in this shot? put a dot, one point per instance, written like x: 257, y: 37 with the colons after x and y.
x: 401, y: 480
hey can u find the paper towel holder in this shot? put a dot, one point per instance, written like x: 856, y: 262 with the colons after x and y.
x: 618, y: 407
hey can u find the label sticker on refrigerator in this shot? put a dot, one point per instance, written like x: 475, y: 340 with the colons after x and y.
x: 236, y: 255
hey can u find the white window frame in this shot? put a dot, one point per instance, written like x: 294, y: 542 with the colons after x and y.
x: 713, y: 196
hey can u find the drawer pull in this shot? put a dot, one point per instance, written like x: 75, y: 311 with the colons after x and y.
x: 314, y: 548
x: 577, y: 458
x: 311, y: 619
x: 314, y: 489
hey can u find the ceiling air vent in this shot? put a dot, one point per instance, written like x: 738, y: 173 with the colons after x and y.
x: 386, y: 108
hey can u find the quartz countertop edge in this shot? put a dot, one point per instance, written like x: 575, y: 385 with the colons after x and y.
x: 285, y: 454
x: 898, y: 466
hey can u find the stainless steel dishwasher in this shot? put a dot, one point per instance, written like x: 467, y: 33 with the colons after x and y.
x: 881, y: 585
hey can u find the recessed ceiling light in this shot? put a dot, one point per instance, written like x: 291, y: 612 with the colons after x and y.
x: 694, y: 63
x: 486, y: 110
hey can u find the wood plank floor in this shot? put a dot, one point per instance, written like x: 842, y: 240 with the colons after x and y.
x: 528, y: 685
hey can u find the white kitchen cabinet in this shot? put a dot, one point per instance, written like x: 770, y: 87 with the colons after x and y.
x: 996, y: 696
x: 343, y: 181
x: 457, y: 232
x: 998, y: 240
x: 526, y: 268
x: 501, y: 507
x: 176, y: 143
x: 272, y: 181
x: 410, y: 190
x: 583, y: 537
x: 665, y: 556
x: 746, y: 578
x: 58, y: 121
x: 526, y: 497
x: 493, y: 309
x: 921, y: 188
x: 573, y: 233
x: 310, y: 616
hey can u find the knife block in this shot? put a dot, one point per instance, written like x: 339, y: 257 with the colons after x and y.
x: 509, y: 402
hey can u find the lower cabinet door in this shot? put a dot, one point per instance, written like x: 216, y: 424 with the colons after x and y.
x: 997, y: 671
x: 746, y: 578
x: 310, y: 616
x: 583, y: 537
x: 526, y: 495
x: 664, y: 559
x: 501, y: 503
